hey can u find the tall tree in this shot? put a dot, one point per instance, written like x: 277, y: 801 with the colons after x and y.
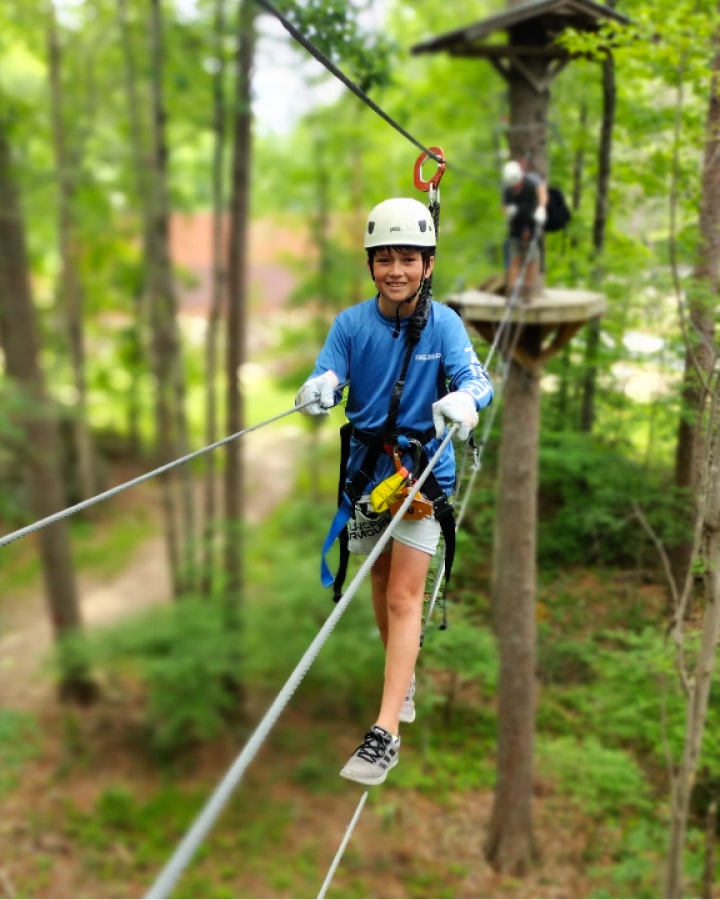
x: 218, y: 294
x: 696, y: 679
x: 697, y: 468
x: 510, y: 845
x: 237, y: 301
x: 699, y: 329
x: 141, y: 170
x: 70, y: 290
x: 39, y: 451
x: 171, y: 417
x: 602, y: 203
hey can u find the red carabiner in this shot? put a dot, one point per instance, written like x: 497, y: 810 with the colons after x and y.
x: 420, y: 182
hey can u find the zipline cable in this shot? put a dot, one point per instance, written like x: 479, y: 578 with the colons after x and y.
x: 214, y: 806
x: 343, y: 845
x: 111, y: 492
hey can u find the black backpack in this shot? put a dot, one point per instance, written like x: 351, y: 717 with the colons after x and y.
x: 558, y: 212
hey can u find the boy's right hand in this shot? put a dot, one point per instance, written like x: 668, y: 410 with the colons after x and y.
x: 321, y: 391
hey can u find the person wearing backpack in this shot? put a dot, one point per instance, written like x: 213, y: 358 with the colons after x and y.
x: 411, y: 370
x: 524, y: 203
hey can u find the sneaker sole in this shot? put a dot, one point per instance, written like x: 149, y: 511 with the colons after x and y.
x: 371, y: 782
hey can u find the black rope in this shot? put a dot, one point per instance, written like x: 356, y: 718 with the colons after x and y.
x: 331, y: 67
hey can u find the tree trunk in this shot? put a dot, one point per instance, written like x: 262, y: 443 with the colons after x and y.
x: 218, y: 291
x: 141, y: 167
x: 40, y: 453
x: 237, y: 307
x: 579, y: 162
x: 70, y: 287
x: 699, y: 354
x: 171, y: 421
x: 511, y: 845
x: 700, y: 469
x: 699, y: 683
x: 592, y: 345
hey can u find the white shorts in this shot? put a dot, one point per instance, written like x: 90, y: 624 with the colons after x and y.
x: 364, y: 531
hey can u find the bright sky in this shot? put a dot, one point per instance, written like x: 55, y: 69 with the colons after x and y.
x: 285, y: 76
x: 284, y: 79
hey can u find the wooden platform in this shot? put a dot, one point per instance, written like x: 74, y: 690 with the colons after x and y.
x: 552, y: 306
x: 537, y: 330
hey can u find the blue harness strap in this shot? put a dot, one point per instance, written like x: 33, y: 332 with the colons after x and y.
x: 337, y: 529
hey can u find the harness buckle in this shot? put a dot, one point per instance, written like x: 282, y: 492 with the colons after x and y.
x: 420, y: 508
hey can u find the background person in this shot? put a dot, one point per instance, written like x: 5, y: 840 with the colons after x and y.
x: 524, y: 201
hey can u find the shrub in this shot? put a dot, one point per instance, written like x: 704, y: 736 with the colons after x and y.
x: 188, y: 660
x: 19, y: 741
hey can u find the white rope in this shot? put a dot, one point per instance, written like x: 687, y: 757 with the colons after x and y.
x: 105, y: 495
x: 341, y: 848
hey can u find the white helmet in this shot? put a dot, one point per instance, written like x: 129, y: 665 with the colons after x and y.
x: 512, y: 173
x: 400, y: 222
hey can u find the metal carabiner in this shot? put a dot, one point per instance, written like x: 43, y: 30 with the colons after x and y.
x: 418, y: 450
x: 420, y: 183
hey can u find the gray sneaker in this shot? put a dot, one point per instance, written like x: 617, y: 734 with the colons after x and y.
x: 407, y: 710
x: 374, y: 758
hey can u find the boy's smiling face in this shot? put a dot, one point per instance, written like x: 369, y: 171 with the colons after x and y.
x: 398, y: 273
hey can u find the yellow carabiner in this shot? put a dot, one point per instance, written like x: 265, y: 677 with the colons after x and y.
x: 383, y: 494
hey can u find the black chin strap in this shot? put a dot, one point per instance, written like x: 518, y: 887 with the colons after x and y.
x: 396, y: 330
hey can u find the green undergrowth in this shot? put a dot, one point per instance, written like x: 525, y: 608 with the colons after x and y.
x: 608, y: 705
x: 19, y: 743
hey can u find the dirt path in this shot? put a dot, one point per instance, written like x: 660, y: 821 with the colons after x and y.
x: 25, y: 634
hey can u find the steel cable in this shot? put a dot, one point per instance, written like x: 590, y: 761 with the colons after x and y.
x: 111, y: 492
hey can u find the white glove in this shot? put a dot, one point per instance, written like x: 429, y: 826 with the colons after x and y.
x: 511, y: 211
x: 321, y: 390
x: 540, y: 215
x: 457, y: 408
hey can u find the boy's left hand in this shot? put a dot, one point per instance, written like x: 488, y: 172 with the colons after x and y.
x: 455, y: 408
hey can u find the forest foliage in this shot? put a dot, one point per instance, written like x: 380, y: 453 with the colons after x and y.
x: 611, y: 704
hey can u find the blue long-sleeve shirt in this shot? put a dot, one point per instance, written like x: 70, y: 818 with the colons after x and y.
x: 361, y: 350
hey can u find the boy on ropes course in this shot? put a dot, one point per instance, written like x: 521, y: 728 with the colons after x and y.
x: 411, y: 370
x: 524, y: 201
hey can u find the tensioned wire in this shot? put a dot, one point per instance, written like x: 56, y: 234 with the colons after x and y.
x: 111, y: 492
